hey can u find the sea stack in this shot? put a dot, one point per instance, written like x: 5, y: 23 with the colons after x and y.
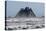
x: 27, y: 12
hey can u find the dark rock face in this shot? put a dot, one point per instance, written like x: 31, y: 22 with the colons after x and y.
x: 27, y: 12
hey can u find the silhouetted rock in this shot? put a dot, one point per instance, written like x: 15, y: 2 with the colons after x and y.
x: 24, y: 28
x: 10, y: 29
x: 27, y: 12
x: 38, y: 27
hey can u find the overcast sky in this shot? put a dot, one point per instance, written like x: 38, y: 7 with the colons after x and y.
x: 13, y: 7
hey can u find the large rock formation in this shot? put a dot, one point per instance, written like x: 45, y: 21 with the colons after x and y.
x: 27, y: 12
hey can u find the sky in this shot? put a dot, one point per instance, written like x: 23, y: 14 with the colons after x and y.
x: 13, y: 7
